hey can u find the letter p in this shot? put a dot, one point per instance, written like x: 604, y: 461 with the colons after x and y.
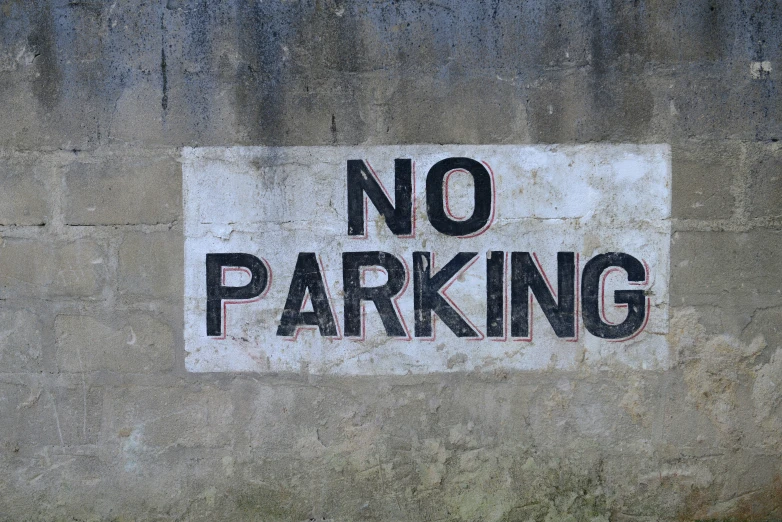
x: 217, y: 292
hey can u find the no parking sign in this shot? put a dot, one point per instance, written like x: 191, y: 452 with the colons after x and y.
x: 425, y: 258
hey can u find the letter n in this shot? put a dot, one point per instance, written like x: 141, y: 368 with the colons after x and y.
x: 527, y: 280
x: 363, y: 183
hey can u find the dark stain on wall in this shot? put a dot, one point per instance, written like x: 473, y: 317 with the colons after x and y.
x: 47, y: 86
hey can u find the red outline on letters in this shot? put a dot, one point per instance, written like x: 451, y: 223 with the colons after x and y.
x: 388, y: 197
x: 493, y: 205
x: 645, y: 282
x: 394, y: 300
x: 224, y: 324
x: 505, y: 292
x: 453, y: 305
x: 556, y: 298
x: 331, y: 306
x: 446, y: 205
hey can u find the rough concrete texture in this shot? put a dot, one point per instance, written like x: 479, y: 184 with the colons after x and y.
x: 100, y: 421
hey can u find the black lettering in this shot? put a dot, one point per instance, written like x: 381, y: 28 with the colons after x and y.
x: 216, y: 292
x: 307, y: 278
x: 427, y: 297
x: 526, y: 277
x: 435, y: 206
x: 591, y: 296
x: 353, y: 264
x: 495, y: 294
x: 362, y: 181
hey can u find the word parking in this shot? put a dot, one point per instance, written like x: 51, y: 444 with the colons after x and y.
x: 314, y: 256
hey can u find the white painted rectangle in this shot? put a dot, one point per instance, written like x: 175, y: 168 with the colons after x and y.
x: 275, y: 202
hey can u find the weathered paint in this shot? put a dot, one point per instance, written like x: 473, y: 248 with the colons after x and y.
x: 275, y: 203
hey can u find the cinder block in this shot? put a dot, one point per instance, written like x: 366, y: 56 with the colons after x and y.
x: 140, y: 344
x: 32, y: 125
x: 584, y: 105
x: 48, y: 415
x: 768, y: 323
x: 123, y: 190
x: 164, y: 417
x: 68, y: 72
x: 424, y: 109
x: 82, y: 471
x: 21, y: 343
x: 35, y: 268
x: 23, y: 198
x: 150, y: 265
x: 764, y: 194
x: 651, y: 33
x: 722, y: 102
x: 726, y: 269
x: 80, y: 269
x: 54, y: 95
x: 258, y: 402
x: 702, y: 178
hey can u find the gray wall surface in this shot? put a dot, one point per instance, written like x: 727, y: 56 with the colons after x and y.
x: 99, y: 419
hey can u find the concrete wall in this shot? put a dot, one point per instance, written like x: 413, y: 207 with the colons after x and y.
x: 100, y: 421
